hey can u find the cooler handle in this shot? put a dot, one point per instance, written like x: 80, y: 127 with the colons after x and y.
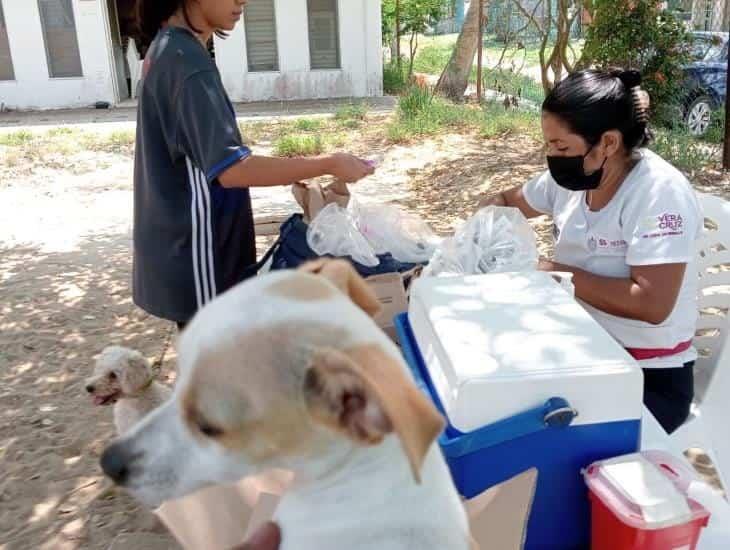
x: 555, y: 414
x: 558, y: 413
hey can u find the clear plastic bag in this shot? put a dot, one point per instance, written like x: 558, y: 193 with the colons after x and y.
x: 494, y: 240
x: 334, y: 232
x: 389, y: 229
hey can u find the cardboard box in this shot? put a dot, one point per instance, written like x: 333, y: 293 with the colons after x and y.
x: 392, y: 292
x: 220, y: 518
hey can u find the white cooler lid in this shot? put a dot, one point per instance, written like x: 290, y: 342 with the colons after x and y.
x: 498, y: 344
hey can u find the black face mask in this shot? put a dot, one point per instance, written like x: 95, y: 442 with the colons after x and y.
x: 568, y: 172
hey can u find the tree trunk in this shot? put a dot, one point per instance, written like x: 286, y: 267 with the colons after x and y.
x: 455, y: 78
x: 412, y: 51
x: 397, y: 31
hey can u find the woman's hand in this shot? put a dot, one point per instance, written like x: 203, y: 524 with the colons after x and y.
x: 547, y: 265
x: 267, y: 537
x: 510, y: 198
x: 492, y: 200
x: 649, y: 294
x: 349, y: 168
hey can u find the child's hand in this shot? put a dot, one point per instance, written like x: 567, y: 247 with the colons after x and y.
x: 348, y: 168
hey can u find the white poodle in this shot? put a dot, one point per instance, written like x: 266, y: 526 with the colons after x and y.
x: 124, y: 378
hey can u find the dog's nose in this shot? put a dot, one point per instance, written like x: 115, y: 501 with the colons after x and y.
x: 116, y: 461
x: 89, y: 388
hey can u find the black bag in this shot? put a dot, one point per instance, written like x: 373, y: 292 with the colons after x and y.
x: 291, y: 250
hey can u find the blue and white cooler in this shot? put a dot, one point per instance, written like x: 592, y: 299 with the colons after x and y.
x: 527, y: 379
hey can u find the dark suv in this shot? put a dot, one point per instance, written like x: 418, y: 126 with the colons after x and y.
x: 706, y: 80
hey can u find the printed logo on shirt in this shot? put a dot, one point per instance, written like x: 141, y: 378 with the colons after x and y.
x: 611, y: 244
x: 664, y: 225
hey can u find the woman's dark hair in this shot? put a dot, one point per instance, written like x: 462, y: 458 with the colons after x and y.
x: 593, y: 102
x: 151, y: 14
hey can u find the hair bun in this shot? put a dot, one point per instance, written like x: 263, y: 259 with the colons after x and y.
x: 630, y: 78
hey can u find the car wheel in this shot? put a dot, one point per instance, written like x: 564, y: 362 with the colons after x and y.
x: 699, y: 116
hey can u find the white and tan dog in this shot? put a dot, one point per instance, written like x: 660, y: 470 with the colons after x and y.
x: 123, y: 378
x: 285, y: 371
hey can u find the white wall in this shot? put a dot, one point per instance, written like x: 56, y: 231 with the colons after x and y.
x: 32, y: 87
x: 360, y: 51
x: 361, y: 73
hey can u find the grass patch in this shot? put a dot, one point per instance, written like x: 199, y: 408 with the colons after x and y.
x: 499, y: 121
x: 435, y: 54
x: 432, y: 59
x: 308, y: 125
x: 16, y: 139
x: 65, y: 142
x: 65, y: 147
x: 336, y: 140
x: 121, y: 138
x: 62, y: 131
x: 511, y: 83
x: 352, y: 112
x: 422, y: 114
x: 395, y: 79
x: 13, y: 159
x: 298, y: 145
x: 716, y: 132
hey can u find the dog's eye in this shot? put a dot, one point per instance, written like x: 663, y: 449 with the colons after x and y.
x: 208, y: 430
x: 112, y: 376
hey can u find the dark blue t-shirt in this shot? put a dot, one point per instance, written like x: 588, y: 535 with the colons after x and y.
x: 193, y: 238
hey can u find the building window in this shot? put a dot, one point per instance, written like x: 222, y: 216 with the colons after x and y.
x: 324, y: 41
x: 6, y: 62
x: 261, y: 46
x: 59, y: 33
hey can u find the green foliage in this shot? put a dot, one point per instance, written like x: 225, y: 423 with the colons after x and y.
x: 685, y: 151
x: 16, y: 139
x: 716, y: 131
x: 298, y: 145
x: 121, y: 138
x: 352, y: 111
x: 395, y: 78
x: 433, y: 58
x: 638, y: 34
x: 415, y: 16
x: 499, y: 122
x: 512, y: 83
x: 308, y: 124
x: 61, y: 131
x: 422, y: 114
x: 351, y: 116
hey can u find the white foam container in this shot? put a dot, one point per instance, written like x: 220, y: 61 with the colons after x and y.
x: 495, y: 345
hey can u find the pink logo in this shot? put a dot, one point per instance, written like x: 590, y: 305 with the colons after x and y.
x: 672, y: 222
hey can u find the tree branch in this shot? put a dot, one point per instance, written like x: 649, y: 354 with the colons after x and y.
x: 531, y: 16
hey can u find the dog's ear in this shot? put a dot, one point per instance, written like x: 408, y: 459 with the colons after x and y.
x: 136, y: 372
x: 365, y: 393
x: 341, y: 274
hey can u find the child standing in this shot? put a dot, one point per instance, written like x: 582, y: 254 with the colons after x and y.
x: 193, y: 225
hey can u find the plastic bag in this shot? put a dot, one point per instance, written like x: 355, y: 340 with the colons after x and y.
x: 333, y: 232
x: 494, y: 240
x: 389, y: 229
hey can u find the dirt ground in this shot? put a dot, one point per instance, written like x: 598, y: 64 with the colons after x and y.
x: 65, y: 294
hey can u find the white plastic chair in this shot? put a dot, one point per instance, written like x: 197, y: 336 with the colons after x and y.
x: 709, y: 425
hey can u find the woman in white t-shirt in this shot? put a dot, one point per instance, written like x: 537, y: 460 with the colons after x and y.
x: 624, y: 223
